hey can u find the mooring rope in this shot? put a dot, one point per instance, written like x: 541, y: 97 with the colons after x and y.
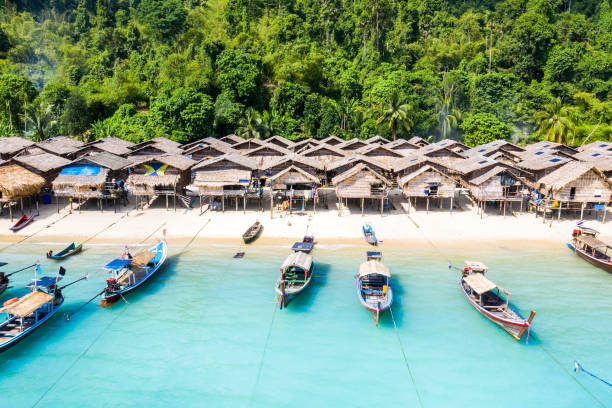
x: 580, y: 369
x: 31, y: 235
x: 151, y: 234
x: 78, y: 358
x: 401, y: 344
x: 263, y: 354
x: 105, y: 228
x: 539, y: 343
x: 182, y: 251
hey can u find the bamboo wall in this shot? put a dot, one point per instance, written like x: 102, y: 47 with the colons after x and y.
x: 417, y: 186
x: 585, y: 185
x: 358, y: 186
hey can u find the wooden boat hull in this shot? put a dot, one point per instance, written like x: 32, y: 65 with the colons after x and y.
x: 291, y: 294
x: 248, y: 238
x: 606, y: 266
x: 515, y: 328
x: 61, y: 255
x: 3, y: 287
x: 7, y: 344
x: 110, y: 298
x: 22, y: 222
x: 370, y: 237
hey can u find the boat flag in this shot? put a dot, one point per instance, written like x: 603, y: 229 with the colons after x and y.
x: 164, y: 232
x: 62, y: 271
x: 125, y: 252
x: 37, y: 269
x: 579, y: 223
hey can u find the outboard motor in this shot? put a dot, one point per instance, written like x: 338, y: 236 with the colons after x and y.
x: 111, y: 285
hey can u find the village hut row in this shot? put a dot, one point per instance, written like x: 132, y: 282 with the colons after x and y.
x: 232, y: 169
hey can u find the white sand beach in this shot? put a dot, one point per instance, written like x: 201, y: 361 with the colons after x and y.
x: 395, y: 228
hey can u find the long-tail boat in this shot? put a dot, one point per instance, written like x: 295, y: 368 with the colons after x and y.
x: 486, y: 297
x: 252, y: 233
x: 66, y: 252
x: 369, y: 235
x: 22, y: 222
x: 4, y: 277
x: 26, y: 314
x: 373, y: 287
x: 296, y: 274
x: 586, y: 245
x: 128, y: 274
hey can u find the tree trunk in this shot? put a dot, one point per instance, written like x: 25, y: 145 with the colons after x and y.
x: 377, y: 34
x: 394, y: 130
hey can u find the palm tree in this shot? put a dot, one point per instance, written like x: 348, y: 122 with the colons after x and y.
x: 395, y: 114
x: 251, y: 125
x: 41, y: 118
x: 448, y: 115
x: 556, y: 121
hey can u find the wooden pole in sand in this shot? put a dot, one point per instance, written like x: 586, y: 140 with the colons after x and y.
x: 37, y: 209
x: 605, y: 210
x: 166, y: 202
x: 381, y: 206
x: 200, y: 195
x: 57, y: 202
x: 222, y: 202
x: 175, y: 197
x: 339, y: 205
x: 581, y: 210
x: 505, y: 208
x: 559, y: 212
x: 427, y: 204
x: 21, y: 200
x: 362, y: 199
x: 451, y: 204
x: 271, y: 202
x: 10, y: 211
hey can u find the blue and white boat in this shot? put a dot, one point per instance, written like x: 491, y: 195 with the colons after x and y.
x: 369, y: 235
x: 26, y: 314
x: 128, y: 274
x: 373, y: 287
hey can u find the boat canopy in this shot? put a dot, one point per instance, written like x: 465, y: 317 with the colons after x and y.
x: 299, y: 259
x: 476, y: 266
x: 142, y: 258
x: 44, y: 282
x: 479, y: 283
x: 591, y: 241
x: 373, y: 255
x: 3, y: 263
x: 374, y: 267
x: 117, y: 264
x: 28, y: 304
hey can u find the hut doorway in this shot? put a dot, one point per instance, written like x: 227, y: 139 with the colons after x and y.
x: 572, y: 194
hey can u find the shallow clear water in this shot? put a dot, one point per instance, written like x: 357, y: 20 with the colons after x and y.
x: 205, y: 331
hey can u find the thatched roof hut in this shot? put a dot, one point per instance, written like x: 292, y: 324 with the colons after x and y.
x: 453, y: 145
x: 205, y: 151
x: 89, y: 176
x: 418, y: 141
x: 494, y: 147
x: 111, y: 145
x: 247, y: 144
x: 332, y: 140
x: 554, y: 146
x: 17, y: 182
x: 597, y: 145
x: 577, y: 182
x: 305, y: 144
x: 225, y: 175
x: 46, y: 165
x: 377, y: 140
x: 204, y: 141
x: 231, y: 139
x: 280, y: 141
x: 324, y: 153
x: 155, y: 147
x: 351, y: 145
x: 498, y: 183
x: 434, y: 150
x: 381, y: 153
x: 293, y: 178
x: 267, y: 154
x: 162, y: 174
x: 403, y: 147
x: 427, y: 181
x: 309, y: 165
x: 539, y: 164
x: 340, y: 166
x: 360, y: 182
x: 61, y: 146
x: 10, y: 146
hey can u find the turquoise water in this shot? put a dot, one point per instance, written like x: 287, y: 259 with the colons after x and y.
x: 206, y: 332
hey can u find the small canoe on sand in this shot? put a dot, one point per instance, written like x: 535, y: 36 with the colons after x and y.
x: 22, y: 222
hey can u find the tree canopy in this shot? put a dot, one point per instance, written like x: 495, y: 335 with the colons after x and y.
x: 187, y: 69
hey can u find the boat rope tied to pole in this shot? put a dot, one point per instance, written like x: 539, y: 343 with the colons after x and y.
x: 69, y: 315
x: 580, y: 369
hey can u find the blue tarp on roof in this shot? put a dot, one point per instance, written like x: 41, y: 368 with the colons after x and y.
x: 117, y: 264
x: 81, y: 170
x: 45, y: 282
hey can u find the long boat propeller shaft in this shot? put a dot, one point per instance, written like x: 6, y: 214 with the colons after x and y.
x: 72, y: 283
x: 68, y: 315
x: 19, y: 270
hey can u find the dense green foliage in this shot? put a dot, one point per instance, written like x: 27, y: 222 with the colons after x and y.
x: 186, y: 69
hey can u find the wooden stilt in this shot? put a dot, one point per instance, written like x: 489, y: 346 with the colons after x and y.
x: 362, y: 203
x: 271, y: 202
x: 222, y: 203
x: 581, y: 211
x: 244, y: 203
x: 427, y: 204
x: 505, y: 208
x: 200, y: 196
x: 381, y: 206
x: 37, y: 209
x: 21, y: 201
x: 10, y: 211
x: 166, y: 202
x: 57, y: 202
x: 559, y: 212
x: 451, y: 203
x: 603, y: 220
